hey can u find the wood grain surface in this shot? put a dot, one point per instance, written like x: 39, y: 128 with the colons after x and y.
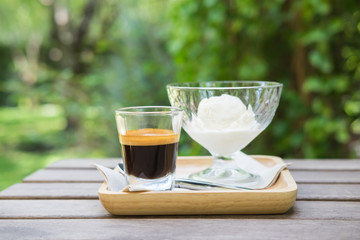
x: 53, y: 204
x: 178, y: 229
x: 52, y: 209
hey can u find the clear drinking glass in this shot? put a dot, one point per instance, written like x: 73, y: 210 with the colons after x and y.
x: 149, y: 137
x: 224, y: 117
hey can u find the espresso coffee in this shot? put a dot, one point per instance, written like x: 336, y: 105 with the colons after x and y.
x: 149, y: 153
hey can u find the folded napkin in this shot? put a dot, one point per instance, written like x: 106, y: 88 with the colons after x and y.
x: 116, y: 179
x: 266, y: 176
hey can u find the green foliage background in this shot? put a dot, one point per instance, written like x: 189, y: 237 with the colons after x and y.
x: 67, y: 67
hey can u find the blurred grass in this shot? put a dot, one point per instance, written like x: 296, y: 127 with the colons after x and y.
x: 31, y: 138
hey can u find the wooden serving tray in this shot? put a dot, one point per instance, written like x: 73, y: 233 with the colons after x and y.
x: 279, y: 198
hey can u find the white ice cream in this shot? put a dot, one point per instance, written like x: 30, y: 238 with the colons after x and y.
x: 223, y: 124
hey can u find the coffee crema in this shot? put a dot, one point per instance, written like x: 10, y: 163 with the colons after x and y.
x: 149, y: 153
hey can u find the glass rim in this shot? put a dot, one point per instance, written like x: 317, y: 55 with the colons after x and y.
x: 252, y: 84
x: 136, y: 110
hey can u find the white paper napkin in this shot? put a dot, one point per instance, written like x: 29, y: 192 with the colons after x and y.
x: 115, y: 179
x: 267, y: 176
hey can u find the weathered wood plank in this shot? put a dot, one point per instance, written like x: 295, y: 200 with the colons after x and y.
x: 297, y: 164
x: 52, y: 209
x: 51, y: 191
x: 22, y: 209
x: 85, y: 163
x: 92, y: 175
x: 326, y: 176
x: 170, y: 228
x: 334, y: 192
x: 324, y: 164
x: 70, y: 175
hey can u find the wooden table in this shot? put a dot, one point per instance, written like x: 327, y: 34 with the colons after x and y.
x: 61, y: 202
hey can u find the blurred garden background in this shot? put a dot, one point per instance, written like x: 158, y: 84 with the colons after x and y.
x: 67, y: 65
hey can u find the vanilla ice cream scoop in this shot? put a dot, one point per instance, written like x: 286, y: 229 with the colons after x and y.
x: 223, y: 124
x: 224, y: 112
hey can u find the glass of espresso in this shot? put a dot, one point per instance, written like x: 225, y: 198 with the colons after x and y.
x: 149, y: 137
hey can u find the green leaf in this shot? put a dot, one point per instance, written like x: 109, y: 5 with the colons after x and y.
x: 314, y: 84
x: 355, y: 126
x: 320, y: 60
x: 209, y: 3
x: 315, y: 35
x: 352, y: 108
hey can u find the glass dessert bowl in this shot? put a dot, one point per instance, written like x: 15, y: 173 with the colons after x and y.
x: 224, y: 117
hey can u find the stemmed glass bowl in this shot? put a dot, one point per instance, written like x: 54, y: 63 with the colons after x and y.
x: 224, y: 117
